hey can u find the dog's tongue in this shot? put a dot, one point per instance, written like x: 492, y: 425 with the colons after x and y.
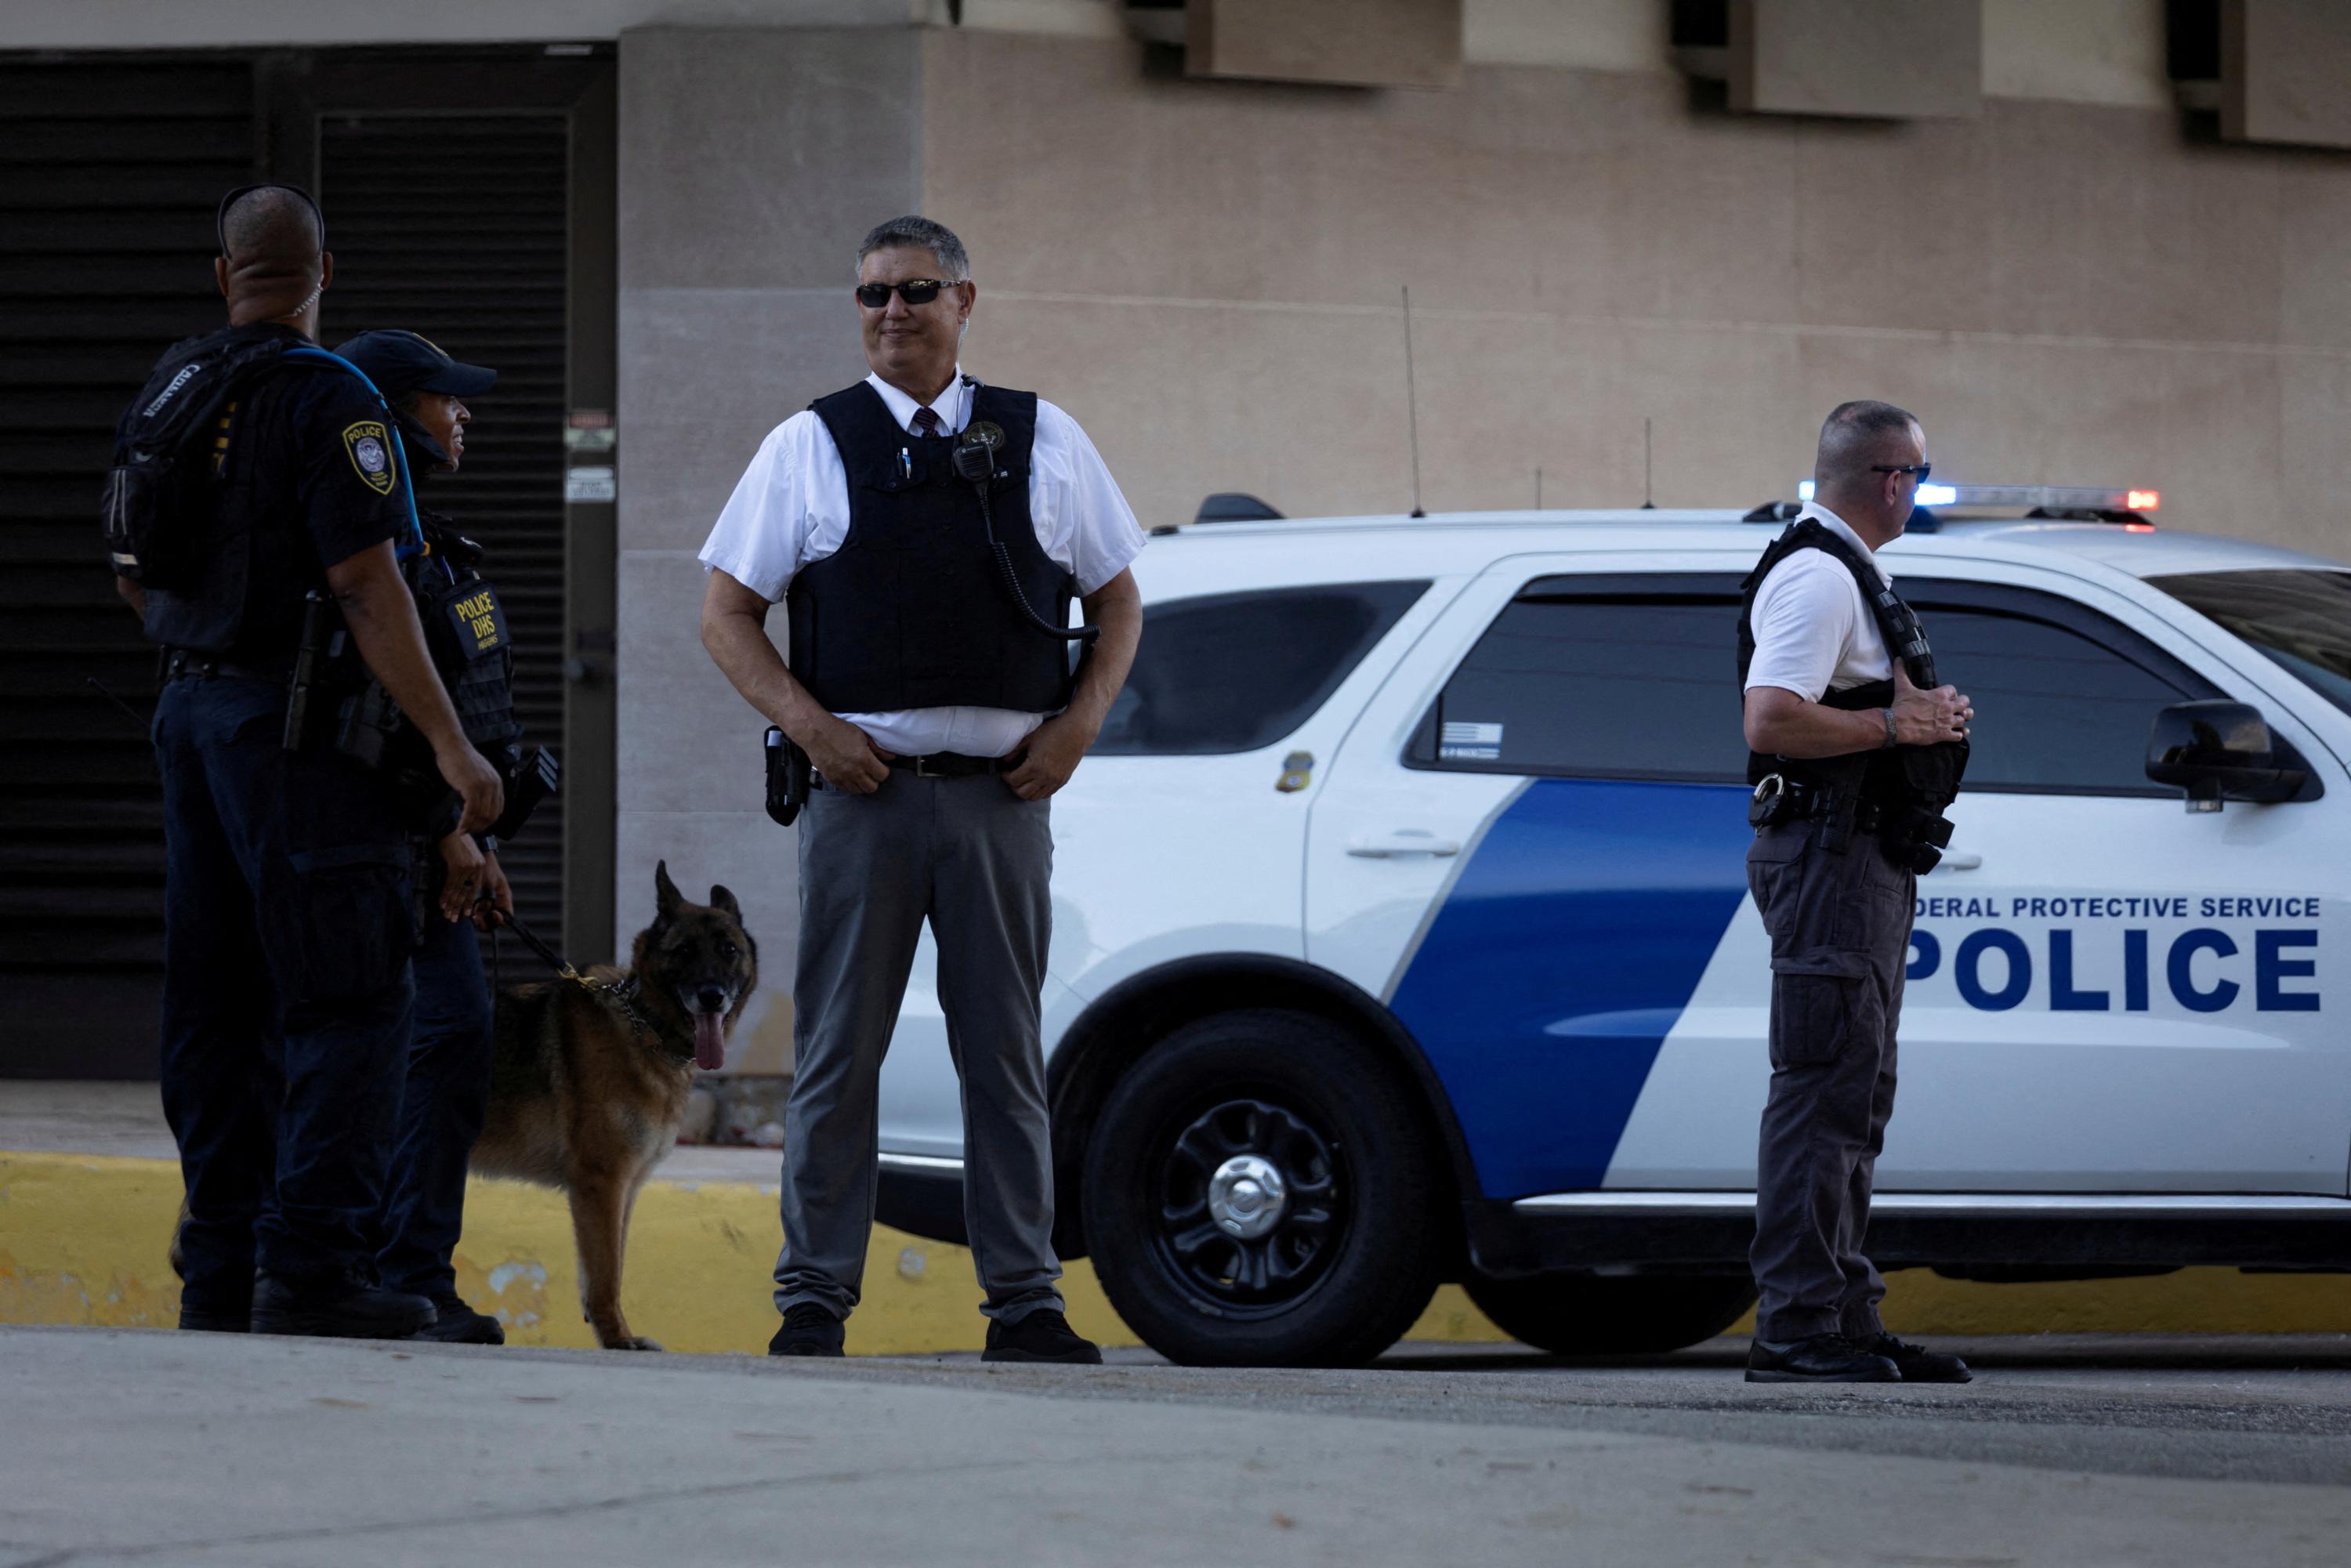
x: 709, y: 1041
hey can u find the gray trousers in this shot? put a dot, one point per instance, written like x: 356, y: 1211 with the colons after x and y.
x: 977, y: 861
x: 1840, y: 929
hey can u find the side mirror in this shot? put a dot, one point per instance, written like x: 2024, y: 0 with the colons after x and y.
x: 2218, y: 750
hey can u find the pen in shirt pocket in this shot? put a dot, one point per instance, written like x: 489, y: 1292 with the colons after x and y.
x: 905, y: 464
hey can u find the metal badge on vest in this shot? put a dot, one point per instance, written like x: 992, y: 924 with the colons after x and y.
x: 940, y: 594
x: 1898, y: 794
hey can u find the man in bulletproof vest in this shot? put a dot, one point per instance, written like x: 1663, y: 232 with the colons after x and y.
x: 460, y: 885
x: 1854, y: 751
x: 926, y: 533
x: 286, y: 924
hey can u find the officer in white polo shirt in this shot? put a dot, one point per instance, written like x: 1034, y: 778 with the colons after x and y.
x: 1854, y: 755
x: 926, y: 533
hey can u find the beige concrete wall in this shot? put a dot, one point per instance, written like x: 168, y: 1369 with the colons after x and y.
x: 1207, y: 274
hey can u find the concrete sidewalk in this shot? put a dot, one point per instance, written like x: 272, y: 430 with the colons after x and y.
x: 89, y: 1183
x: 136, y: 1448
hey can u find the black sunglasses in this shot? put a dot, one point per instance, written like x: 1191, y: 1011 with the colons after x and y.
x: 220, y: 214
x: 913, y: 291
x: 1920, y: 469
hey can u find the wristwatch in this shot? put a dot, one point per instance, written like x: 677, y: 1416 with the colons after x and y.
x: 1887, y: 714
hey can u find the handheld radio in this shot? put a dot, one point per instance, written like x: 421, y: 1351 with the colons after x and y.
x: 975, y: 463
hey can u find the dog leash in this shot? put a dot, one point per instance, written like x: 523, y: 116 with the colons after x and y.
x: 621, y: 992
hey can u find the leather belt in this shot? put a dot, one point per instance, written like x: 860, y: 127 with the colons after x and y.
x: 186, y: 665
x: 945, y: 765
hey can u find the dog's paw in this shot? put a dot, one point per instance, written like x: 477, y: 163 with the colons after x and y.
x: 633, y: 1342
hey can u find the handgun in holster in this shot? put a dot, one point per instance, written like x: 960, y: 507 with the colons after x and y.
x: 788, y: 777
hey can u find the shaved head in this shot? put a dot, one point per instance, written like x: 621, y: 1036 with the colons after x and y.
x: 273, y: 266
x: 271, y: 223
x: 1858, y: 436
x: 1864, y: 470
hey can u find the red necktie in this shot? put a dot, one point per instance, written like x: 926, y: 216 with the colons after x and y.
x: 925, y: 423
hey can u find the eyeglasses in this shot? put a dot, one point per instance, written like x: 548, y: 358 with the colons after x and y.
x: 1920, y: 469
x: 913, y: 291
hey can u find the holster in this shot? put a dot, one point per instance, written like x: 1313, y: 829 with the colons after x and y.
x: 788, y: 777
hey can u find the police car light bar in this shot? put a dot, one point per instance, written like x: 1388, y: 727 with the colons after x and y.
x: 2045, y: 498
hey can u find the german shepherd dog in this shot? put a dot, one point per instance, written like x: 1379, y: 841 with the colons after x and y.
x: 589, y: 1082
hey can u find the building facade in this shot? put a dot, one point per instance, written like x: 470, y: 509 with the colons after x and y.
x: 1620, y: 288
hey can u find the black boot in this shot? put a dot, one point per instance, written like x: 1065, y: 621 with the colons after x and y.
x: 808, y: 1329
x: 336, y: 1306
x: 455, y: 1322
x: 1042, y: 1335
x: 235, y: 1320
x: 1821, y: 1358
x: 1918, y: 1364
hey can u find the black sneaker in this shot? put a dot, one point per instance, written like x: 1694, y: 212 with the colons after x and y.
x: 1821, y: 1358
x: 808, y: 1329
x: 1043, y: 1336
x: 455, y: 1322
x: 1918, y: 1364
x: 336, y: 1307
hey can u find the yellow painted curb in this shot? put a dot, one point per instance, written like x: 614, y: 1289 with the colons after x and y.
x: 83, y: 1240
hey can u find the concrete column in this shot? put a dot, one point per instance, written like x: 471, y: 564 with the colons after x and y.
x: 752, y: 161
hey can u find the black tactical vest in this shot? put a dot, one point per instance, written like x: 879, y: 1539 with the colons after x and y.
x: 1916, y: 781
x: 466, y: 631
x: 911, y: 612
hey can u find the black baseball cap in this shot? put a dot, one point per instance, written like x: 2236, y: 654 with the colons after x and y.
x: 402, y: 362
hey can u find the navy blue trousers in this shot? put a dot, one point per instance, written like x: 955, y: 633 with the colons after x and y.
x: 285, y: 992
x: 441, y: 1110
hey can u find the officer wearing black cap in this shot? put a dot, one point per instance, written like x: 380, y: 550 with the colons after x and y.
x: 448, y: 1089
x: 1854, y: 750
x: 288, y: 931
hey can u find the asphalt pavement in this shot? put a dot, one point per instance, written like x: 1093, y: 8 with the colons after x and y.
x: 146, y: 1446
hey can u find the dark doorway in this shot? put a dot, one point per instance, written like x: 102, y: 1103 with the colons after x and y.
x: 468, y: 195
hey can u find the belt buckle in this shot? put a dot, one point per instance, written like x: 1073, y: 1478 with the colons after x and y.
x: 923, y: 768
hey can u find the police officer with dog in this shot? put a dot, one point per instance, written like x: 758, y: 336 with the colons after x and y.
x: 927, y: 534
x: 1854, y: 751
x: 256, y: 518
x: 460, y: 885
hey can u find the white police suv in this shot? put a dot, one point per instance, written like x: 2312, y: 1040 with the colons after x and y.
x: 1402, y: 934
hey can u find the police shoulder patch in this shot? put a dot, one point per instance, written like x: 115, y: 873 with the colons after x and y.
x: 369, y: 446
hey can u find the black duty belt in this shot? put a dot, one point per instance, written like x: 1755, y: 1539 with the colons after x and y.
x: 1807, y: 801
x: 945, y: 765
x: 187, y: 664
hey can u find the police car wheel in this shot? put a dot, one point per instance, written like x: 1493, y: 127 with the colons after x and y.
x: 1578, y: 1314
x: 1259, y: 1193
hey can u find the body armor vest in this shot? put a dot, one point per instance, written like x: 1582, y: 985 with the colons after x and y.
x: 466, y: 631
x: 1911, y: 785
x: 910, y: 611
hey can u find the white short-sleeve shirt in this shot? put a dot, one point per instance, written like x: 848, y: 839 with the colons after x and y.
x: 791, y: 509
x: 1813, y: 632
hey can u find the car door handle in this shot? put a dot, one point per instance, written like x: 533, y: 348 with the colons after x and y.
x: 1406, y: 842
x: 1958, y: 860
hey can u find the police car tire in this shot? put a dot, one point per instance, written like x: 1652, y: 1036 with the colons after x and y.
x: 1385, y: 1264
x: 1577, y: 1314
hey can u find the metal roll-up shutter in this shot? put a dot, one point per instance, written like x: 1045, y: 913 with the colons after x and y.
x: 454, y: 226
x: 108, y: 172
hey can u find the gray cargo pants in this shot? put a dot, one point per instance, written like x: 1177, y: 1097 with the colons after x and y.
x: 977, y: 861
x: 1840, y: 929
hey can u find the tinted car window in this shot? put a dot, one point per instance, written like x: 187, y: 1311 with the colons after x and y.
x: 1232, y: 671
x: 2300, y: 619
x: 1607, y: 687
x: 2058, y: 710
